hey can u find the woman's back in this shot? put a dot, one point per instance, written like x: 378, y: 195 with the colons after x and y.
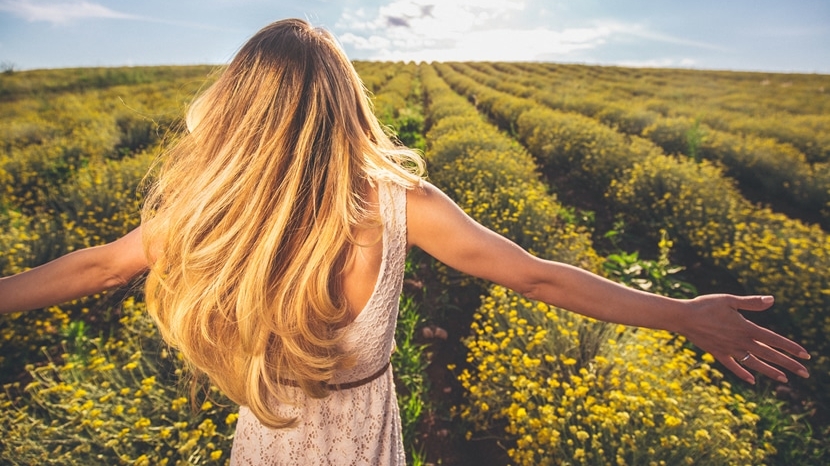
x: 360, y: 274
x: 358, y: 423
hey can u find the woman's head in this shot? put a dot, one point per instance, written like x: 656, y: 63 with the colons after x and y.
x: 289, y: 73
x: 254, y: 210
x: 292, y: 98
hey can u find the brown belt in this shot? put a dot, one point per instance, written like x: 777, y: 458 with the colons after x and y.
x: 346, y: 385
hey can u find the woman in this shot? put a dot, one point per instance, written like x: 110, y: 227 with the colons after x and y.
x: 275, y: 236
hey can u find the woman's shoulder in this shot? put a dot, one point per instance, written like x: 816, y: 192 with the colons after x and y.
x: 423, y: 194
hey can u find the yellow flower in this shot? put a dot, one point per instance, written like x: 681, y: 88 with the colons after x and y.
x: 142, y: 423
x: 702, y: 434
x: 178, y: 403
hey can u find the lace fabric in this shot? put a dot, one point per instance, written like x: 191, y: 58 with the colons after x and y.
x: 356, y: 426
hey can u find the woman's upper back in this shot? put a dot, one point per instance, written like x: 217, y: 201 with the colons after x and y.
x: 376, y: 279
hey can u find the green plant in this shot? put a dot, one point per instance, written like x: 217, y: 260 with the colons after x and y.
x: 410, y: 362
x: 787, y: 435
x: 694, y: 139
x: 655, y: 276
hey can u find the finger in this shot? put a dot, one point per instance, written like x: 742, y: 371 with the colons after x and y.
x: 752, y: 303
x: 737, y: 369
x: 770, y: 338
x: 770, y: 355
x: 759, y: 365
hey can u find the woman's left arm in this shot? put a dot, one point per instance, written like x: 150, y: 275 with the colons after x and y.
x: 712, y: 322
x: 74, y: 275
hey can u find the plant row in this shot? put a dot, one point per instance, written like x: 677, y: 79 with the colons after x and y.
x: 766, y: 252
x: 557, y: 387
x: 374, y: 74
x: 789, y: 108
x: 766, y: 170
x: 71, y: 163
x: 99, y: 387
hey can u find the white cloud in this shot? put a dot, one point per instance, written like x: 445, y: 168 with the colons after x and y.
x: 425, y: 30
x: 448, y: 15
x: 659, y: 63
x: 60, y: 12
x: 480, y: 30
x: 462, y: 30
x: 373, y: 42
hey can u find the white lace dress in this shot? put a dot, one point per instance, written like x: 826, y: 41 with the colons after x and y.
x: 354, y: 426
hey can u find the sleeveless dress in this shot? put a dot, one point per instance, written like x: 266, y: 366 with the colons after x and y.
x: 352, y: 426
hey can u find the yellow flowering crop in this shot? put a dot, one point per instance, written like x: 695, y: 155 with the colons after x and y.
x: 609, y: 396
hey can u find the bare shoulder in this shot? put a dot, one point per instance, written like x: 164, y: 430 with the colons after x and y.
x: 418, y: 200
x: 426, y: 208
x: 434, y: 221
x: 422, y: 192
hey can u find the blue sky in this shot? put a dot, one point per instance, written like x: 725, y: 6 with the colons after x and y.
x: 755, y: 35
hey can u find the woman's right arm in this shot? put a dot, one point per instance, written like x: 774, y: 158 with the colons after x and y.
x: 77, y: 274
x: 712, y: 322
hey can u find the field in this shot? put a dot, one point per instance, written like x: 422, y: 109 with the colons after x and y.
x: 673, y: 181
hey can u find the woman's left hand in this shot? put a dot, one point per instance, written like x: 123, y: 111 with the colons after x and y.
x: 715, y: 326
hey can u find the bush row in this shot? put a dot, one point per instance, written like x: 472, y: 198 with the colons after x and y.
x: 559, y: 386
x: 113, y: 400
x: 71, y: 182
x: 44, y: 83
x: 766, y: 252
x: 495, y: 180
x: 768, y: 171
x: 71, y: 166
x: 788, y: 108
x: 374, y: 74
x: 398, y: 105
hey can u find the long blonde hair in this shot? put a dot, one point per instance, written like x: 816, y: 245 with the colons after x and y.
x: 252, y: 215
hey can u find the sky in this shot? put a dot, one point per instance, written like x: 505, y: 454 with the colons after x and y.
x: 745, y: 35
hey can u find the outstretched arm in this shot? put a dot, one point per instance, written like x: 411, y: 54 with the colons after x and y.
x: 77, y: 274
x: 712, y: 322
